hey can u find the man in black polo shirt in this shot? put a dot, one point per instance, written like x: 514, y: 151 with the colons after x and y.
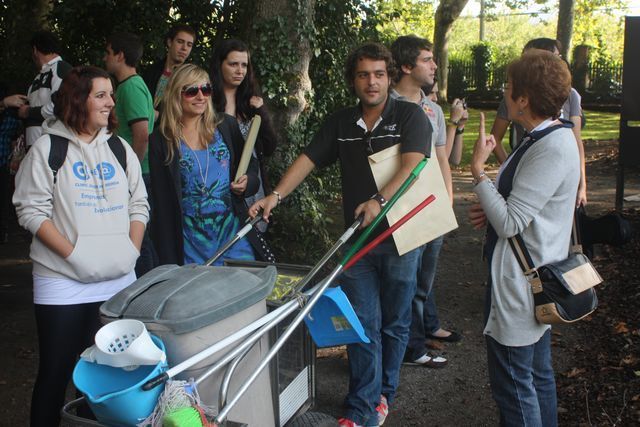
x: 381, y: 285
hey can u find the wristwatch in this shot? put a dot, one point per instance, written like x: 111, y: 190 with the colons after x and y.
x: 380, y: 199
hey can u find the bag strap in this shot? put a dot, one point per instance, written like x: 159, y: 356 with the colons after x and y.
x: 57, y: 154
x: 576, y: 237
x: 115, y: 144
x: 524, y: 257
x: 60, y: 145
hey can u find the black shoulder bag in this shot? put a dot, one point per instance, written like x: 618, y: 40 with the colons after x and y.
x: 563, y: 291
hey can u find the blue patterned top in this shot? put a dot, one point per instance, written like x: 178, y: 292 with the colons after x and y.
x: 208, y: 219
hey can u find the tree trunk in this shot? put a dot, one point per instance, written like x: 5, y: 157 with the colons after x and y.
x: 564, y: 30
x: 446, y: 14
x: 282, y: 31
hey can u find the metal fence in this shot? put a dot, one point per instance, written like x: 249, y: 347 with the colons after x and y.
x: 604, y: 82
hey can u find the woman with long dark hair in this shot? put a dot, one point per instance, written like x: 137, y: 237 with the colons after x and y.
x: 193, y: 156
x: 235, y: 92
x: 87, y: 212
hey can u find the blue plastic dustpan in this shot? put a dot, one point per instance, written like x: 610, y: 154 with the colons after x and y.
x: 333, y: 322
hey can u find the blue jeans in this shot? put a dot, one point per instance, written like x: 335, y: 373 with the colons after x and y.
x: 424, y: 315
x: 522, y: 383
x: 380, y: 287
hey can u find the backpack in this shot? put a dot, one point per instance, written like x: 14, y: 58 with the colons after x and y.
x: 60, y: 144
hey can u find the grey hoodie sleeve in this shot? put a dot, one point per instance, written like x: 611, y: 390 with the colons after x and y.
x: 138, y: 203
x: 34, y: 187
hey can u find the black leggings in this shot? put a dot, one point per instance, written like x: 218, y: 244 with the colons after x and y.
x: 64, y: 331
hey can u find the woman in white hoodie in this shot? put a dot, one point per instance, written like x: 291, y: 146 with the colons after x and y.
x: 87, y: 218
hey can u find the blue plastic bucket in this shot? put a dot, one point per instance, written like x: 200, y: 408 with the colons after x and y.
x: 333, y: 322
x: 115, y: 395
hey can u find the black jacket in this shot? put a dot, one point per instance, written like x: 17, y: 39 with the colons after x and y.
x: 166, y: 193
x: 152, y: 74
x: 266, y: 144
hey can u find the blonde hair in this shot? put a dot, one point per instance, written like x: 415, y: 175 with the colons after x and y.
x: 171, y: 118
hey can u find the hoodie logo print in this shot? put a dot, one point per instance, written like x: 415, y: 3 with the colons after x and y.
x: 103, y: 170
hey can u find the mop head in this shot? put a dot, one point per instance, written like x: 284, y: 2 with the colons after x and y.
x: 176, y: 397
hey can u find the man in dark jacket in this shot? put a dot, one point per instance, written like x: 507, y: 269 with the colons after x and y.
x: 179, y: 41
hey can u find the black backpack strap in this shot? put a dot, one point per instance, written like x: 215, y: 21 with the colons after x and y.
x: 115, y: 144
x: 57, y: 154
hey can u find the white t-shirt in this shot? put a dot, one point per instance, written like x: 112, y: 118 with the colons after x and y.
x: 64, y: 291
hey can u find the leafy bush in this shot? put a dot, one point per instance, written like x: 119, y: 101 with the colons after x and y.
x: 482, y: 54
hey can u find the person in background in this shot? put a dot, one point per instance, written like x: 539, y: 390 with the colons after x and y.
x: 194, y: 156
x: 179, y: 41
x: 570, y: 110
x: 534, y: 196
x: 9, y: 130
x: 458, y: 116
x: 45, y: 52
x: 416, y: 68
x: 87, y: 222
x: 381, y: 285
x: 235, y: 92
x: 135, y: 114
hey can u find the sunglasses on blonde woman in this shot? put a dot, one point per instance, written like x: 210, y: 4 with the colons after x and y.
x: 191, y: 91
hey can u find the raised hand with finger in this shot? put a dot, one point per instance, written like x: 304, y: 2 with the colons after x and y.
x: 481, y: 151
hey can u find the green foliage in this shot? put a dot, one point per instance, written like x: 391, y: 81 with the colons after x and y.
x: 598, y: 26
x: 483, y: 61
x: 403, y: 17
x: 300, y: 228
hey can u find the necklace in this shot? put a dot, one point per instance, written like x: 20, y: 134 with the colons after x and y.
x: 202, y: 187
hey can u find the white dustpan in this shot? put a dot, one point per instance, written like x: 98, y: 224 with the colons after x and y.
x: 124, y: 344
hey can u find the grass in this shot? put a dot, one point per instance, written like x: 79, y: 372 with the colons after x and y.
x: 600, y: 126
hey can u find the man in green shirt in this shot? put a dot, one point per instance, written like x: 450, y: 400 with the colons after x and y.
x: 134, y: 110
x: 134, y: 104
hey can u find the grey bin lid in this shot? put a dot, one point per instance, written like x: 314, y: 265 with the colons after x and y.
x: 190, y: 297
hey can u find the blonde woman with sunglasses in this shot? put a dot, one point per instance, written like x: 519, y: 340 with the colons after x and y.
x: 193, y: 157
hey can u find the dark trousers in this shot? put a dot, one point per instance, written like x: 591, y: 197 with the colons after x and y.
x: 64, y: 331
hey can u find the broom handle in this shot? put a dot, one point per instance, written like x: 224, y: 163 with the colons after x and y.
x: 362, y: 252
x: 239, y: 235
x: 367, y: 232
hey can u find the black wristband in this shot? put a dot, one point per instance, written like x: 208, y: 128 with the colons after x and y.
x: 380, y: 199
x: 459, y: 131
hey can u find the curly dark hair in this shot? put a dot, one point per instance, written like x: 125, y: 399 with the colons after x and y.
x: 369, y: 50
x: 542, y: 77
x: 247, y: 88
x: 70, y: 101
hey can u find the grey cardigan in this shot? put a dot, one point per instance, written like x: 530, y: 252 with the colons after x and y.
x: 540, y: 207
